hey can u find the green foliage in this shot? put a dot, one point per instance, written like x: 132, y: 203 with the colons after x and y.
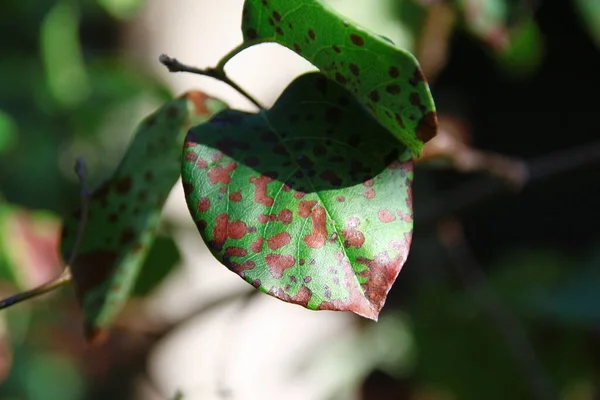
x: 386, y: 80
x: 290, y: 198
x: 589, y: 12
x: 119, y: 231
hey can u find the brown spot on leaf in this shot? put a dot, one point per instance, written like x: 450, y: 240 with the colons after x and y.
x: 393, y: 72
x: 427, y: 127
x: 236, y: 196
x: 286, y: 216
x: 297, y: 48
x: 415, y: 99
x: 278, y: 263
x: 352, y: 236
x: 354, y: 69
x: 357, y: 40
x: 251, y: 34
x: 221, y: 174
x: 311, y: 34
x: 276, y: 16
x: 260, y: 190
x: 191, y: 156
x: 305, y: 207
x: 369, y: 194
x: 341, y: 79
x: 278, y: 240
x: 392, y: 88
x: 337, y: 49
x: 341, y: 199
x: 374, y: 96
x: 318, y: 236
x: 203, y: 204
x: 237, y: 229
x: 202, y: 164
x: 123, y: 186
x: 257, y: 245
x: 417, y: 77
x: 385, y: 216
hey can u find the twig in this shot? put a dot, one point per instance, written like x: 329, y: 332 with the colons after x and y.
x: 173, y: 65
x: 65, y: 276
x: 452, y: 237
x: 536, y: 170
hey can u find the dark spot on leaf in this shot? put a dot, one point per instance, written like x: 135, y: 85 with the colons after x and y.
x: 260, y: 191
x: 417, y: 77
x: 337, y: 49
x: 279, y: 31
x: 127, y: 236
x: 333, y: 115
x: 123, y: 186
x: 202, y: 164
x: 236, y: 252
x: 221, y: 174
x: 191, y: 156
x: 357, y: 40
x: 276, y: 16
x: 427, y: 127
x: 331, y: 177
x: 393, y: 72
x: 285, y: 216
x: 341, y: 199
x: 354, y: 69
x: 341, y: 79
x: 415, y: 99
x: 297, y: 48
x: 311, y: 34
x: 374, y: 96
x: 318, y: 236
x: 393, y: 88
x: 251, y: 34
x: 201, y: 225
x: 353, y: 237
x: 203, y: 204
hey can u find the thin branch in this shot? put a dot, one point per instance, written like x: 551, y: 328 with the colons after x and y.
x: 538, y: 169
x: 65, y: 276
x: 452, y: 237
x: 173, y: 65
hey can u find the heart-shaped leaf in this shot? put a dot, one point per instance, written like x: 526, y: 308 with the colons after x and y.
x: 124, y: 211
x: 309, y: 201
x: 387, y: 80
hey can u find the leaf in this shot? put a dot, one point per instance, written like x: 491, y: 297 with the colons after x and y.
x: 385, y: 79
x: 589, y: 12
x: 125, y: 210
x: 28, y: 242
x: 309, y: 202
x: 162, y: 257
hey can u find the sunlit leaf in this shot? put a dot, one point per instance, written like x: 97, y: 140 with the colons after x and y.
x: 125, y: 210
x: 123, y: 9
x: 385, y: 79
x: 309, y: 201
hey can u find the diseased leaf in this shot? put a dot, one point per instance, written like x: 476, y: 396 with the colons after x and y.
x: 385, y: 79
x: 125, y: 210
x: 162, y: 258
x: 309, y: 201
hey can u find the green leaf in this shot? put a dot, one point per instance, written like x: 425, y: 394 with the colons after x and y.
x: 589, y: 12
x: 309, y: 201
x: 385, y: 79
x: 125, y: 210
x: 162, y: 258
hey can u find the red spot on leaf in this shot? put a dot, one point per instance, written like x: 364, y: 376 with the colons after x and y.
x: 299, y: 194
x: 305, y: 207
x: 385, y: 216
x: 220, y: 174
x: 203, y: 204
x: 260, y: 191
x: 216, y: 157
x: 341, y: 199
x: 224, y: 229
x: 279, y: 263
x: 257, y: 245
x: 354, y: 238
x: 191, y: 156
x: 318, y: 236
x: 286, y: 216
x: 369, y: 183
x: 237, y: 229
x: 202, y: 164
x: 236, y: 196
x: 279, y: 240
x: 236, y: 252
x: 369, y: 194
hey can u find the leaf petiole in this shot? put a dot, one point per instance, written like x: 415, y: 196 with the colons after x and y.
x: 173, y: 65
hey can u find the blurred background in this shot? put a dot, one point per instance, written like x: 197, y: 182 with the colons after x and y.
x: 500, y: 297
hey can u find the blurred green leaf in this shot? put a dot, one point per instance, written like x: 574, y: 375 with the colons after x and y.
x: 65, y: 69
x: 8, y: 132
x: 162, y: 258
x: 122, y: 9
x: 589, y: 12
x: 524, y: 52
x: 52, y: 376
